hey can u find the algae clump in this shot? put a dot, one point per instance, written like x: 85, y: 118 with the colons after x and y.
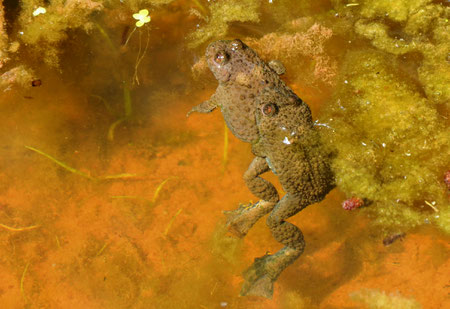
x: 396, y: 10
x: 391, y: 143
x: 424, y: 31
x: 221, y: 14
x: 46, y: 31
x: 375, y: 299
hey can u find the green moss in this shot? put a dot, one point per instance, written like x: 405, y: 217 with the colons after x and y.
x: 135, y: 5
x: 45, y: 31
x: 425, y: 31
x: 392, y: 144
x: 396, y: 10
x: 444, y: 220
x: 221, y: 14
x: 374, y: 299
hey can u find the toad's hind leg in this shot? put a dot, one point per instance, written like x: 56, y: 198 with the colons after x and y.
x: 240, y: 221
x: 259, y: 278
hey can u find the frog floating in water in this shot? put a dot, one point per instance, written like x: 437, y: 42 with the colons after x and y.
x: 260, y: 109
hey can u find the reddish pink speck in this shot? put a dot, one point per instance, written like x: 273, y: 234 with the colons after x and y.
x: 352, y: 203
x: 447, y: 179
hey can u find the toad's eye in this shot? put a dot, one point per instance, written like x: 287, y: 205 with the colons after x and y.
x: 221, y: 57
x: 269, y: 109
x: 237, y: 44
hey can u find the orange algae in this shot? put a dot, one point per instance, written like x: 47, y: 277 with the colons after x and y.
x: 94, y: 251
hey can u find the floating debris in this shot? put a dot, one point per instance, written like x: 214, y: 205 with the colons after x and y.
x: 39, y: 10
x: 352, y: 203
x: 389, y: 240
x: 19, y: 229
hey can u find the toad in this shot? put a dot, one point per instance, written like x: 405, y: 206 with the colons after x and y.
x: 290, y: 147
x: 260, y: 109
x: 242, y: 75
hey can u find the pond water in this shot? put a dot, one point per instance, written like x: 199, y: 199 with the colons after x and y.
x: 111, y: 198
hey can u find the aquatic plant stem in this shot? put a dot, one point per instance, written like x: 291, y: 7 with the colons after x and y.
x: 129, y: 36
x: 112, y: 127
x: 62, y: 164
x: 169, y: 225
x: 158, y: 189
x: 106, y: 104
x: 128, y: 110
x: 117, y: 176
x: 22, y: 280
x: 151, y: 202
x: 80, y: 173
x: 19, y: 229
x: 106, y: 36
x: 140, y: 55
x: 102, y: 249
x: 432, y: 206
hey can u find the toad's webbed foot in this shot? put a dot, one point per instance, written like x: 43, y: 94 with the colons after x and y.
x: 240, y: 221
x: 257, y: 281
x: 259, y: 278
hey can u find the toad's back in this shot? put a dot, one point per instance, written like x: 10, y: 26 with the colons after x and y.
x: 291, y: 145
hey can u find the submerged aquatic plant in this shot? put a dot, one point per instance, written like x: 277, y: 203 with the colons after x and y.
x: 18, y: 229
x: 387, y: 120
x: 302, y: 45
x: 22, y: 279
x: 391, y: 142
x: 18, y: 74
x: 78, y: 172
x: 172, y: 220
x: 222, y: 13
x: 45, y: 32
x: 375, y: 299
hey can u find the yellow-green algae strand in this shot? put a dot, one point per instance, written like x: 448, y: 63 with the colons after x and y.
x: 374, y: 299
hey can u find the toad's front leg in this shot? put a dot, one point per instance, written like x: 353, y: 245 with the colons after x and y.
x: 240, y: 221
x: 204, y: 107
